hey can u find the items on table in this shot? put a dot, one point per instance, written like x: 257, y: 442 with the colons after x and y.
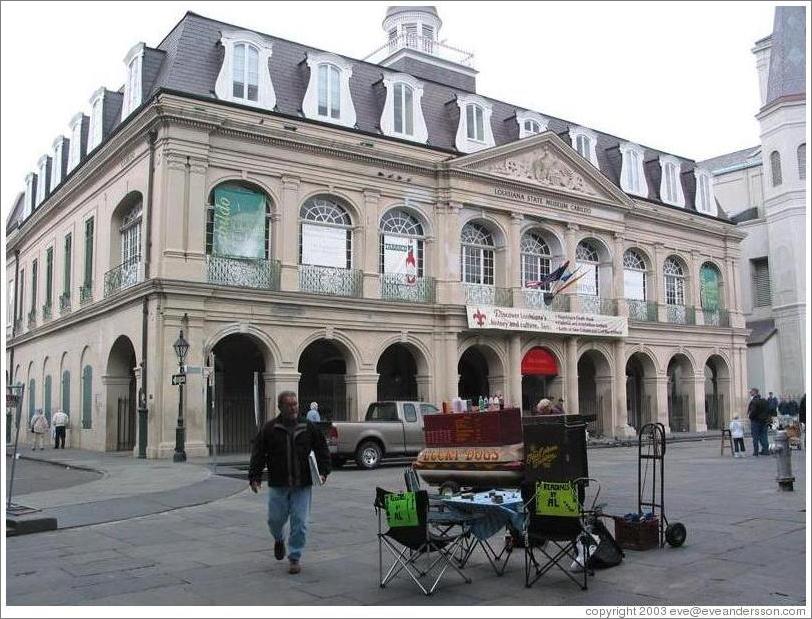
x: 483, y: 403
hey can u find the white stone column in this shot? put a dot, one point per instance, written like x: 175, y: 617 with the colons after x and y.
x: 618, y: 291
x: 367, y: 236
x: 657, y: 283
x: 288, y: 249
x: 197, y: 203
x: 620, y: 426
x: 697, y: 421
x: 452, y: 376
x: 514, y: 259
x: 514, y: 392
x: 662, y: 401
x: 571, y: 404
x: 362, y: 390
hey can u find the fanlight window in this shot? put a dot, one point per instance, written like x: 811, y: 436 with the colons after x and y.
x: 326, y: 234
x: 401, y: 250
x: 477, y: 255
x: 634, y: 276
x: 586, y: 257
x: 674, y: 282
x: 535, y: 260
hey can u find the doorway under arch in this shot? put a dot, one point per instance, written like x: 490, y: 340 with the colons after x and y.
x: 595, y: 391
x: 121, y: 402
x: 717, y: 392
x: 539, y: 371
x: 323, y: 379
x: 641, y: 390
x: 397, y: 374
x: 680, y: 387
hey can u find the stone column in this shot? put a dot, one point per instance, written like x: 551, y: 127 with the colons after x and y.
x: 449, y: 256
x: 425, y: 388
x: 362, y: 390
x: 514, y: 393
x: 656, y: 282
x: 198, y: 200
x: 733, y: 296
x: 367, y: 248
x: 620, y: 426
x: 452, y: 376
x: 618, y: 291
x: 169, y: 249
x: 288, y: 249
x: 694, y: 286
x: 662, y: 400
x: 571, y: 404
x: 514, y: 259
x: 697, y: 421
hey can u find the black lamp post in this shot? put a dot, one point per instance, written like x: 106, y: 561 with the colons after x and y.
x: 181, y: 347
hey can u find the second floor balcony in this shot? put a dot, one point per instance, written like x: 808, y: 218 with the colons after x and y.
x: 539, y: 299
x: 593, y: 304
x: 330, y: 281
x: 483, y: 294
x: 642, y: 311
x: 32, y: 319
x: 680, y: 314
x: 46, y: 312
x: 246, y: 272
x: 400, y: 287
x: 715, y: 318
x: 86, y: 293
x: 123, y: 276
x: 64, y: 303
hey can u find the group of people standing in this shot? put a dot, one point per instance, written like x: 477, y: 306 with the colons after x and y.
x: 760, y: 412
x: 40, y: 426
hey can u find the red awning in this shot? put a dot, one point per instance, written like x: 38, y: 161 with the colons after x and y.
x: 539, y: 362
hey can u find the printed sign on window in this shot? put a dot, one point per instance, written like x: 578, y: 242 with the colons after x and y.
x: 239, y: 223
x: 400, y: 256
x: 324, y: 246
x: 556, y: 499
x: 401, y: 510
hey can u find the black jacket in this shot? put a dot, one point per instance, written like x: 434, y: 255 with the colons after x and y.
x: 284, y: 450
x: 758, y: 410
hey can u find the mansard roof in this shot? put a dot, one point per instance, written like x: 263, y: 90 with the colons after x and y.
x: 787, y: 77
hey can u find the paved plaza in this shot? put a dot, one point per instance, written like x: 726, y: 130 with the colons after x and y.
x: 746, y: 542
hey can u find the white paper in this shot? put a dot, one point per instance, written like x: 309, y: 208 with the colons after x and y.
x: 314, y: 469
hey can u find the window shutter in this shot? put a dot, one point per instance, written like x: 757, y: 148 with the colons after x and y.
x: 761, y: 282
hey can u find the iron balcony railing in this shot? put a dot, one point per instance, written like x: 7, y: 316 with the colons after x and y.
x: 32, y: 319
x: 64, y: 302
x: 680, y: 315
x: 426, y: 45
x: 592, y: 304
x: 538, y: 299
x: 642, y: 311
x: 18, y: 326
x: 246, y: 272
x: 85, y: 293
x: 482, y: 294
x: 716, y: 318
x: 46, y: 312
x: 330, y: 281
x: 397, y: 287
x: 127, y: 274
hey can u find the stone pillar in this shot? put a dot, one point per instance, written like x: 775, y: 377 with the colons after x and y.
x: 656, y: 282
x: 618, y: 291
x: 288, y: 249
x: 697, y: 421
x: 447, y: 254
x: 571, y: 403
x: 724, y: 388
x: 452, y: 376
x: 139, y: 381
x: 514, y: 392
x: 620, y: 425
x: 733, y: 296
x: 513, y: 256
x: 362, y: 390
x: 367, y: 245
x: 694, y: 286
x: 196, y: 246
x: 425, y: 388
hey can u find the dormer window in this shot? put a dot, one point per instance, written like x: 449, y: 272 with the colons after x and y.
x: 530, y: 124
x: 474, y: 132
x: 244, y: 77
x: 56, y: 163
x: 133, y: 86
x: 328, y: 91
x: 584, y: 142
x: 75, y: 154
x: 670, y: 185
x: 42, y: 179
x: 632, y: 177
x: 96, y: 119
x: 30, y: 194
x: 402, y: 114
x: 705, y: 202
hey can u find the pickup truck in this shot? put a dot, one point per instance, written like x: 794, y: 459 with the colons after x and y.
x: 390, y: 429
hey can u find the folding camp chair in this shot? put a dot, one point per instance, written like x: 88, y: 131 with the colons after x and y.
x: 417, y: 551
x: 554, y: 528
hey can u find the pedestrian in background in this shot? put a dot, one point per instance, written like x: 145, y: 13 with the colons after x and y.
x: 737, y: 434
x: 284, y: 445
x: 772, y: 404
x: 558, y: 408
x: 60, y: 422
x: 40, y: 427
x: 759, y: 415
x: 313, y: 414
x: 544, y: 407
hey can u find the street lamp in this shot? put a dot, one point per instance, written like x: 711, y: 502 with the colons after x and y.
x: 181, y: 347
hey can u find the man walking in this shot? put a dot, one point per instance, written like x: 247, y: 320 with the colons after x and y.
x: 39, y: 426
x: 772, y: 404
x: 759, y: 415
x: 60, y: 423
x: 284, y: 445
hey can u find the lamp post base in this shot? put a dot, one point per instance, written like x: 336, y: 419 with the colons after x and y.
x: 180, y: 451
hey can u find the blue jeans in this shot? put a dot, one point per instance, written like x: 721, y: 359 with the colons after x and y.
x: 294, y: 504
x: 759, y: 432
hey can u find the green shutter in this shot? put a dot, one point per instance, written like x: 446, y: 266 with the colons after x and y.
x: 87, y: 396
x: 32, y: 397
x: 49, y: 274
x: 46, y: 403
x: 34, y: 285
x: 68, y: 250
x: 88, y: 252
x: 66, y: 392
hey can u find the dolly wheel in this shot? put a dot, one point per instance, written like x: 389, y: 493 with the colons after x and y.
x: 675, y: 534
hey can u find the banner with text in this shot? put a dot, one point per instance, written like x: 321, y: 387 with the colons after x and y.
x: 400, y: 256
x: 514, y: 319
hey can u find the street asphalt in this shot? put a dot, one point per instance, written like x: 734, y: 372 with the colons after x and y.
x: 210, y: 545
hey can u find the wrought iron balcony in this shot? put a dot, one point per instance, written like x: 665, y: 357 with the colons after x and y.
x: 427, y: 45
x: 396, y: 287
x: 64, y: 303
x: 127, y: 274
x: 592, y: 304
x: 18, y: 326
x: 680, y: 315
x: 32, y: 319
x: 329, y: 280
x: 46, y: 312
x: 717, y: 318
x: 482, y: 294
x: 245, y: 272
x: 539, y: 299
x: 642, y: 311
x: 86, y: 293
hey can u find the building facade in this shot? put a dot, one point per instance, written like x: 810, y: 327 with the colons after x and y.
x: 354, y: 231
x: 763, y: 189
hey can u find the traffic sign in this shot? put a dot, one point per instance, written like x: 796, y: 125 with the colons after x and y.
x: 12, y: 399
x: 178, y: 379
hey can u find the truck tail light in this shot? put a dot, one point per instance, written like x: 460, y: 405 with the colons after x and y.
x: 332, y: 436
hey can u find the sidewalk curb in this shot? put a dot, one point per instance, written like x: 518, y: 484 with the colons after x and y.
x: 22, y: 456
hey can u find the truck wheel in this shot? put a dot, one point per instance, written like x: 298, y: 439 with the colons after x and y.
x: 338, y: 462
x: 368, y: 455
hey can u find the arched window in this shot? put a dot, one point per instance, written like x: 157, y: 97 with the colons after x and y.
x: 87, y: 397
x: 329, y: 91
x: 586, y: 260
x: 802, y: 161
x: 535, y: 260
x: 325, y: 237
x: 238, y: 223
x: 775, y: 167
x: 246, y: 72
x: 401, y: 244
x: 474, y: 123
x: 634, y: 276
x: 404, y: 109
x: 674, y: 282
x: 131, y: 244
x: 710, y: 288
x: 477, y: 254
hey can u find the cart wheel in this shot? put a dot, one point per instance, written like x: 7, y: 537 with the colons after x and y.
x: 675, y: 534
x: 449, y: 488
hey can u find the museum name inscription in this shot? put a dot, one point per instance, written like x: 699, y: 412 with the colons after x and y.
x: 540, y: 200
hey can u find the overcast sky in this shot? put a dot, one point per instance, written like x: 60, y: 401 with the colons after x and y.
x: 678, y: 77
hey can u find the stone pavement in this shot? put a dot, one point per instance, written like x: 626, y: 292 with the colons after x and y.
x: 746, y: 545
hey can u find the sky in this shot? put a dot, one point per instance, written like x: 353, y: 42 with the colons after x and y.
x: 678, y: 77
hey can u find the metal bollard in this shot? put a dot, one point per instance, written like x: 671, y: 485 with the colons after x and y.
x: 783, y: 456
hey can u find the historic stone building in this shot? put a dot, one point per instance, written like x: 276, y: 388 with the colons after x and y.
x: 358, y: 230
x: 763, y: 189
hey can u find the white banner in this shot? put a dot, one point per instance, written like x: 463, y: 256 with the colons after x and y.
x: 510, y: 319
x: 324, y: 246
x: 400, y: 256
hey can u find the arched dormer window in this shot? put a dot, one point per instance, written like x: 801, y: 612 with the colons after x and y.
x: 536, y: 257
x: 325, y: 237
x: 705, y: 202
x: 402, y: 114
x: 244, y: 76
x: 587, y: 262
x: 328, y: 95
x: 775, y: 168
x: 530, y: 123
x: 674, y: 282
x: 132, y: 86
x: 78, y: 125
x: 57, y: 162
x: 633, y: 177
x: 474, y: 131
x: 402, y: 241
x: 477, y: 255
x: 95, y: 132
x: 43, y: 172
x: 801, y: 155
x: 670, y: 183
x: 585, y: 141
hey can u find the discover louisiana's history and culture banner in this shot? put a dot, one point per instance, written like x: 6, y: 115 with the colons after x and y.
x: 513, y: 319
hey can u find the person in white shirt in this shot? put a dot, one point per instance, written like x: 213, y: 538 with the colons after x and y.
x: 60, y: 423
x: 313, y: 415
x: 39, y: 426
x: 737, y: 434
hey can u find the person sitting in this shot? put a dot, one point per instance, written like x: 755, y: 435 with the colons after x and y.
x: 544, y: 407
x: 558, y: 408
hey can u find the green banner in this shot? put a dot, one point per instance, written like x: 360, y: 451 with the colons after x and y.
x: 556, y: 499
x: 709, y: 288
x: 239, y: 223
x: 401, y: 510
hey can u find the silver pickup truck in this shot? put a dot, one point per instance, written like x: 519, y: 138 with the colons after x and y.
x: 389, y: 429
